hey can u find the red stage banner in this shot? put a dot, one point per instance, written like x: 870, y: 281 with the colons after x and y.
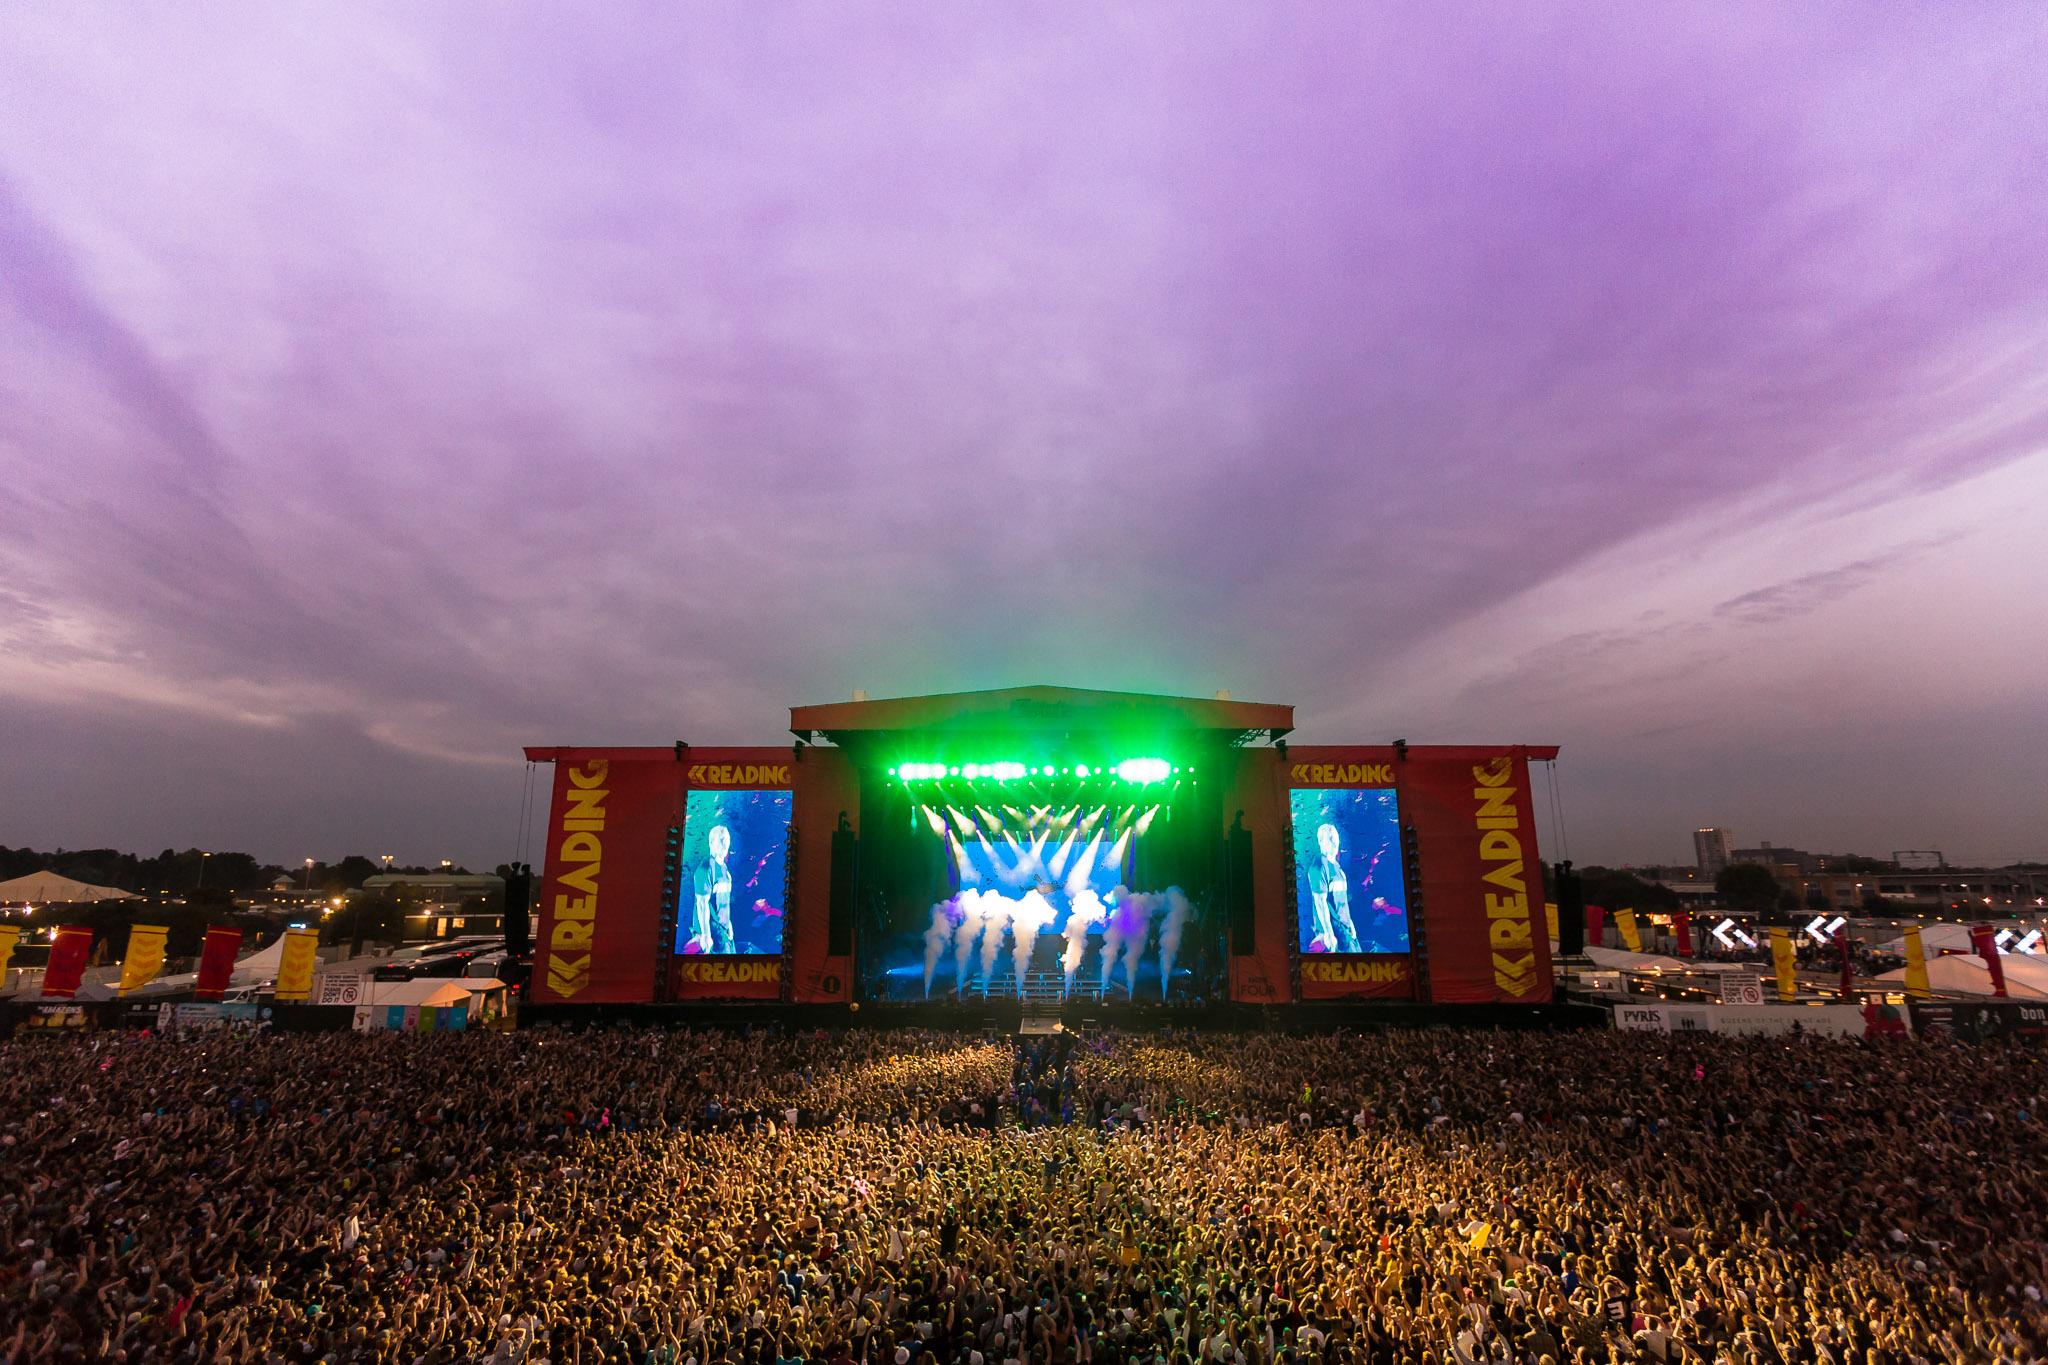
x: 699, y: 977
x: 1340, y: 976
x: 68, y: 954
x: 216, y: 962
x: 1482, y: 878
x: 599, y: 932
x: 1983, y: 939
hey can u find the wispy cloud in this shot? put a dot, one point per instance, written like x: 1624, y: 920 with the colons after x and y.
x: 420, y: 386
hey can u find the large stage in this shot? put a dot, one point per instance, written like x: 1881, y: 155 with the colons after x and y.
x: 1042, y: 853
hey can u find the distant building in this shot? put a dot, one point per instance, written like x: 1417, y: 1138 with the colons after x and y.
x: 1711, y: 848
x: 1798, y: 860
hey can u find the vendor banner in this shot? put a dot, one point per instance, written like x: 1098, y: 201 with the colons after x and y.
x: 144, y: 958
x: 295, y: 965
x: 1787, y: 964
x: 1349, y: 976
x: 1916, y: 966
x: 68, y: 954
x: 1479, y: 870
x: 217, y: 962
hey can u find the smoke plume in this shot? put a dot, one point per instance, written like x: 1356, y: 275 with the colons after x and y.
x: 1176, y: 923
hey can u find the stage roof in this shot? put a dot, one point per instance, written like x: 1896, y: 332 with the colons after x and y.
x: 1023, y: 710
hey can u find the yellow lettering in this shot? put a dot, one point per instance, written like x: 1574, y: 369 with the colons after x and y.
x: 587, y: 804
x: 1507, y: 875
x: 1494, y: 802
x: 1499, y: 846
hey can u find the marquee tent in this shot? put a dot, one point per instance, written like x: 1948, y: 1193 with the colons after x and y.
x: 44, y: 888
x: 1959, y: 974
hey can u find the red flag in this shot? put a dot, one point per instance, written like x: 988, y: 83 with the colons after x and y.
x: 67, y: 961
x: 1682, y: 922
x: 217, y: 962
x: 1982, y: 939
x: 1842, y: 943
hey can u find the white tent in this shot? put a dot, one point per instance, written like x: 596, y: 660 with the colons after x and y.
x: 1965, y: 974
x: 421, y: 990
x: 1934, y: 938
x: 44, y: 888
x: 1621, y: 960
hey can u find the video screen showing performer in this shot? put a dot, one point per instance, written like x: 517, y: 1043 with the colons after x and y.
x: 730, y: 897
x: 1350, y: 895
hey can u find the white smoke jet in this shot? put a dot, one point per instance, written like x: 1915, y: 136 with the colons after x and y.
x: 936, y: 938
x: 1086, y: 914
x: 995, y: 917
x: 1113, y: 923
x: 1170, y: 931
x: 1027, y: 917
x: 1139, y: 909
x: 964, y: 936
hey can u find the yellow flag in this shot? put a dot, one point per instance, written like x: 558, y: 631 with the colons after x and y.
x: 1916, y: 966
x: 1781, y: 953
x: 1550, y: 915
x: 8, y: 934
x: 1479, y: 1237
x: 295, y: 967
x: 1625, y: 920
x: 145, y: 957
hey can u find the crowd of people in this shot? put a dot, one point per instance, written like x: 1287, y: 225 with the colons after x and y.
x: 918, y: 1198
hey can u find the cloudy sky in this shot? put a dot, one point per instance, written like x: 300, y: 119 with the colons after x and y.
x: 385, y: 388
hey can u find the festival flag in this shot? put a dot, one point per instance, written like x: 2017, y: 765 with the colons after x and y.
x: 1981, y: 938
x: 1916, y: 966
x: 217, y: 962
x: 1848, y: 973
x: 1781, y: 953
x: 1681, y: 922
x: 145, y: 956
x: 1625, y: 920
x: 10, y: 934
x: 295, y: 967
x: 68, y: 955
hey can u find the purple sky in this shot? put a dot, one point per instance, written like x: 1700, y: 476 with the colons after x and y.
x: 380, y: 393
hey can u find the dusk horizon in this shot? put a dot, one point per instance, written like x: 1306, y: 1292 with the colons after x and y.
x: 387, y: 390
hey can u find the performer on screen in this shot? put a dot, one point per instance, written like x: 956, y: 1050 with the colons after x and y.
x: 1332, y: 897
x: 713, y: 881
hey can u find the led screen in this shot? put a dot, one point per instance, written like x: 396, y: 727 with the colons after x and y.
x: 730, y: 896
x: 1349, y: 893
